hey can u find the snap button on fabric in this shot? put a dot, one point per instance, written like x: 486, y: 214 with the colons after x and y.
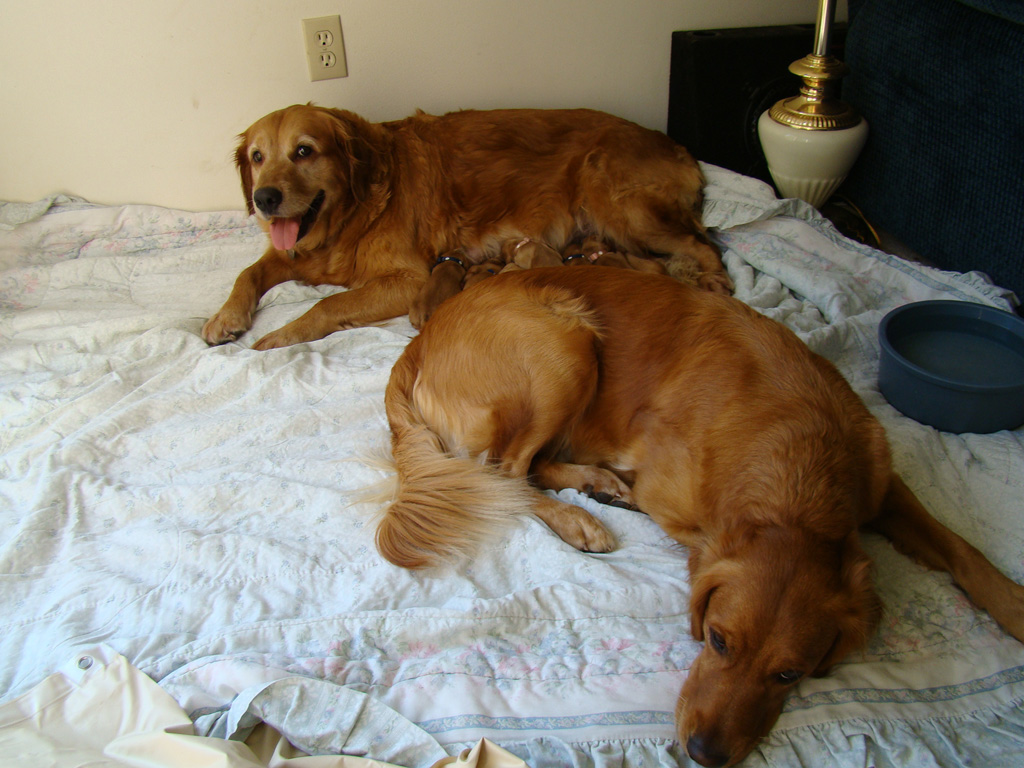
x: 85, y: 662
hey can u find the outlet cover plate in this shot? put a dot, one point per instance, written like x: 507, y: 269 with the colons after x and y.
x: 325, y: 48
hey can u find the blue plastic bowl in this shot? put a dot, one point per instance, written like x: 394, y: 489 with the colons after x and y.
x: 954, y: 365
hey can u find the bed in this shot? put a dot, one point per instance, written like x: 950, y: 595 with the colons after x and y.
x: 202, y: 513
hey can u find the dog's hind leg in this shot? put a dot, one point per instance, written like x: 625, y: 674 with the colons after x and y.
x: 574, y: 525
x: 563, y: 370
x: 905, y: 521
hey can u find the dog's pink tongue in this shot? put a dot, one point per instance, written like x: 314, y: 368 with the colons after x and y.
x: 284, y: 233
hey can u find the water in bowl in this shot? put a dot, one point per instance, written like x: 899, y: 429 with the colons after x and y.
x: 963, y: 357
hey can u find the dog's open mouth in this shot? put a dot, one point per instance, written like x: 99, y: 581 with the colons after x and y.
x: 286, y: 232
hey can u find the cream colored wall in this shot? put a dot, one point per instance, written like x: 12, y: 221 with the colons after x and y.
x: 140, y: 100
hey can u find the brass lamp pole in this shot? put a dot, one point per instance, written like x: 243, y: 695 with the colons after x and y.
x: 811, y: 140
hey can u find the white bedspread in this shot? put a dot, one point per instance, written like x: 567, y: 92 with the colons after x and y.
x: 197, y: 510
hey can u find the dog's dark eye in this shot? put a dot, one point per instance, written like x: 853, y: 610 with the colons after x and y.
x: 789, y: 676
x: 304, y: 150
x: 716, y: 640
x: 257, y: 157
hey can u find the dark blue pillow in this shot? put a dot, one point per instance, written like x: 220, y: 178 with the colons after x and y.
x: 941, y: 84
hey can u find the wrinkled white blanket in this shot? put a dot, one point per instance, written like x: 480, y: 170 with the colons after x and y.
x: 98, y: 710
x: 197, y: 509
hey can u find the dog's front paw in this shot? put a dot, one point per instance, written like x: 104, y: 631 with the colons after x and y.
x: 275, y: 340
x: 715, y: 282
x: 226, y: 325
x: 309, y: 327
x: 284, y: 337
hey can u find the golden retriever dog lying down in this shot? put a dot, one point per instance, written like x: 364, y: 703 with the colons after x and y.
x: 370, y: 206
x: 743, y: 445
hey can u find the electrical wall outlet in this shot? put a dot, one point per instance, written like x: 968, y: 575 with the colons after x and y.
x: 325, y: 48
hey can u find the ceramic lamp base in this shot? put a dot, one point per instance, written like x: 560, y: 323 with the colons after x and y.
x: 809, y: 164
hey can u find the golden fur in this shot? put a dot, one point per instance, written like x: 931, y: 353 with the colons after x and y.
x: 369, y: 205
x: 719, y: 423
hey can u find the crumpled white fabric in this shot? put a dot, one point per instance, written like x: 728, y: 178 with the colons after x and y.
x: 99, y: 711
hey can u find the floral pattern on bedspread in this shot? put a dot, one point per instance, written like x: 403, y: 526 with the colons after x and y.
x: 203, y: 511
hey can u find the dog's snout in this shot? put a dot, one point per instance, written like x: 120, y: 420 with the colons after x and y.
x: 267, y: 199
x: 704, y: 751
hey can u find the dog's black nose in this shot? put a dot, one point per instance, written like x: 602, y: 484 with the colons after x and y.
x: 267, y: 199
x: 705, y: 752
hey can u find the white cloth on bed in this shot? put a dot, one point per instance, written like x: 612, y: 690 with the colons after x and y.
x: 99, y: 710
x: 198, y: 509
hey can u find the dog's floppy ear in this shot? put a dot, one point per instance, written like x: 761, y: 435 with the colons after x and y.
x: 700, y: 593
x: 361, y: 145
x: 708, y: 572
x: 858, y: 609
x: 242, y: 164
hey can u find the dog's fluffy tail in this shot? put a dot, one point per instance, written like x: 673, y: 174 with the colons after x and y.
x: 443, y: 505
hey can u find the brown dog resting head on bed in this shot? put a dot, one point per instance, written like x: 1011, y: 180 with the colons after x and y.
x: 369, y: 205
x: 718, y: 422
